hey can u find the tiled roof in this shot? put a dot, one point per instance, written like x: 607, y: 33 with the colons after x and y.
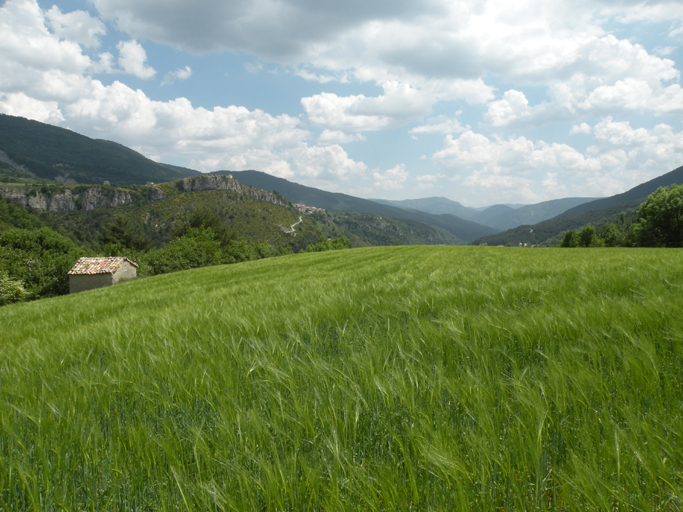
x: 108, y: 265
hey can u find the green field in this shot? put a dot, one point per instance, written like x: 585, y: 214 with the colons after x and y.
x: 402, y: 378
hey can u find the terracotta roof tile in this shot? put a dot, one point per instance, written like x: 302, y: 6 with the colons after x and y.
x: 108, y: 265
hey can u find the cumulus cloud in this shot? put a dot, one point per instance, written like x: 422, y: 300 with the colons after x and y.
x: 178, y: 74
x: 77, y: 26
x: 133, y: 59
x: 392, y: 179
x: 400, y: 104
x: 584, y: 128
x: 339, y: 137
x: 518, y: 168
x: 438, y: 124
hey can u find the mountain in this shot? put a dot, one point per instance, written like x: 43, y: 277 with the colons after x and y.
x: 544, y: 232
x: 638, y: 193
x: 508, y: 218
x: 492, y: 212
x: 463, y: 229
x: 607, y: 209
x: 499, y: 216
x: 55, y: 153
x: 433, y: 205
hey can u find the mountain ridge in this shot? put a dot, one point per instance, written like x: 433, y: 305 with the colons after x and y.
x: 463, y: 229
x: 59, y: 154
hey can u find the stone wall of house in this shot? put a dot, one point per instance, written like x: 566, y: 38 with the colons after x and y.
x: 125, y: 271
x: 81, y: 283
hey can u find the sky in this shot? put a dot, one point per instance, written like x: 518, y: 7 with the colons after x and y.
x: 482, y: 102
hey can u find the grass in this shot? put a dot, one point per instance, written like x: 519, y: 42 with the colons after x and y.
x: 403, y: 378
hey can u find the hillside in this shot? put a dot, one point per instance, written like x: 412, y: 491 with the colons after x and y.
x: 367, y: 379
x: 55, y: 153
x: 433, y: 205
x: 82, y: 212
x: 595, y: 212
x: 545, y: 232
x: 638, y: 193
x: 531, y: 213
x: 462, y: 229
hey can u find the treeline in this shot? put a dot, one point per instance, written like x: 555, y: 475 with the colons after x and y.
x: 658, y: 222
x: 35, y: 259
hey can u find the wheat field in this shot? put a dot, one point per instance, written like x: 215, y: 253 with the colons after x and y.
x: 400, y: 378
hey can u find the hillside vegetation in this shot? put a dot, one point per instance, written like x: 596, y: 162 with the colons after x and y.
x: 464, y: 230
x: 50, y: 153
x: 428, y: 378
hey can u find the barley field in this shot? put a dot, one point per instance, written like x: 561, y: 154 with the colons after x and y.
x: 399, y: 378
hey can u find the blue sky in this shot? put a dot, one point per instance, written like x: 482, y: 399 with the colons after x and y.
x: 482, y: 102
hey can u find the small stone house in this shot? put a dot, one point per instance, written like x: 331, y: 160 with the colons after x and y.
x: 90, y: 273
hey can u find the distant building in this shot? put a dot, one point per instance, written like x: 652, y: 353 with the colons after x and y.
x: 309, y: 209
x: 91, y: 273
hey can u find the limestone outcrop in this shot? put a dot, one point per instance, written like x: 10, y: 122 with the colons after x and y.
x: 88, y: 198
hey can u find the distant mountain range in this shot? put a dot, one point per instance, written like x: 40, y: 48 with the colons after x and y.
x: 499, y: 216
x: 596, y: 212
x: 465, y: 230
x: 54, y: 153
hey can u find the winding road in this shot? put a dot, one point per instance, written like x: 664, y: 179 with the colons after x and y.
x: 291, y: 229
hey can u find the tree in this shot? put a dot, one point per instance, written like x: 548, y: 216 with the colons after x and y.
x: 569, y: 240
x: 660, y: 218
x: 123, y: 233
x: 612, y: 235
x: 586, y: 236
x: 205, y: 218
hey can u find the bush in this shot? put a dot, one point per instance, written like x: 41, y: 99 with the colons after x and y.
x: 38, y: 258
x: 11, y: 290
x: 197, y: 248
x: 323, y: 244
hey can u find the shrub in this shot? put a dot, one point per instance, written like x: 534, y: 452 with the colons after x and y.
x: 11, y: 290
x: 38, y: 258
x: 323, y: 244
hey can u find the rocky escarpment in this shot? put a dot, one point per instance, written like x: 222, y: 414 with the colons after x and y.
x: 68, y: 200
x: 91, y: 197
x: 220, y: 182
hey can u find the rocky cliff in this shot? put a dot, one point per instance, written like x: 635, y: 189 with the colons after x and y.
x: 220, y: 182
x: 69, y: 200
x: 95, y: 196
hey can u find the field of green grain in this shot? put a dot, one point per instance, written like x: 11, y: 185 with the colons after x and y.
x: 401, y: 378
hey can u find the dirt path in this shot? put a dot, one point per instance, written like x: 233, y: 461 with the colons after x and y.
x: 291, y: 229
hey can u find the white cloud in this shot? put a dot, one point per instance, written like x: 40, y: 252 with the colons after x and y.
x: 178, y: 74
x: 400, y: 104
x: 584, y: 128
x: 133, y: 59
x: 518, y: 168
x: 77, y: 26
x: 439, y: 124
x: 339, y: 137
x: 392, y: 179
x: 18, y: 104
